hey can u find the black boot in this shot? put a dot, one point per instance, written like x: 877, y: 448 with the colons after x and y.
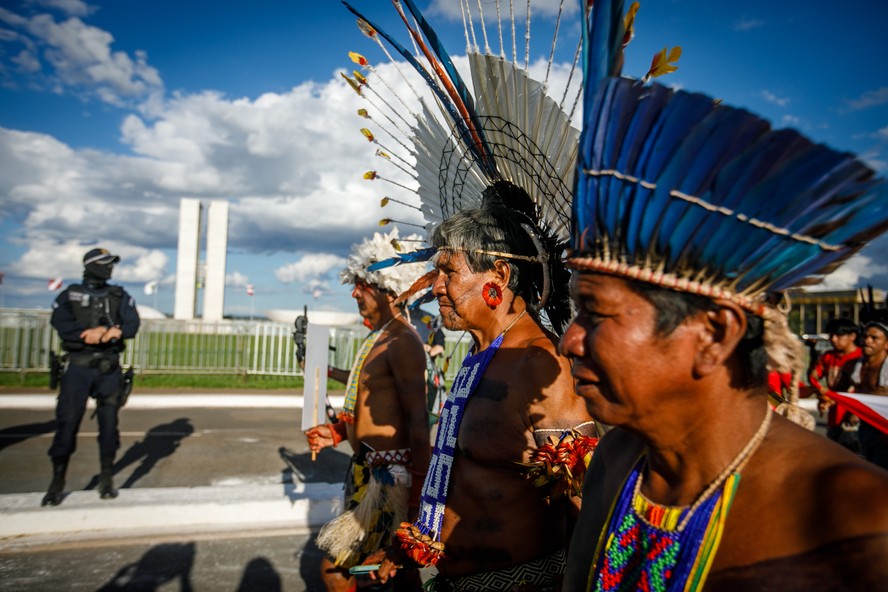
x: 54, y: 495
x: 106, y: 487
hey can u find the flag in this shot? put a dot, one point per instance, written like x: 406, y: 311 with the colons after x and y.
x: 54, y: 284
x: 151, y: 287
x: 317, y: 293
x: 873, y: 409
x: 249, y: 289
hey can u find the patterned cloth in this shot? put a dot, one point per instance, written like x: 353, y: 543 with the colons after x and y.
x: 540, y: 575
x: 434, y: 489
x: 376, y: 503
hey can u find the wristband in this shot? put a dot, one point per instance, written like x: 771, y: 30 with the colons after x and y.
x: 337, y: 432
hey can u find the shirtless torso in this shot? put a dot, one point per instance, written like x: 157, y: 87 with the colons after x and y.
x: 495, y: 517
x: 792, y: 525
x: 390, y: 411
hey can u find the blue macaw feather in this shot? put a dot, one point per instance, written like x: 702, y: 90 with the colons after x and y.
x: 728, y: 136
x: 757, y: 197
x: 602, y: 43
x: 418, y: 256
x: 443, y: 97
x: 798, y: 176
x: 679, y: 116
x: 424, y: 299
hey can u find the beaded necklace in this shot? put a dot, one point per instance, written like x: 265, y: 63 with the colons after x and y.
x: 648, y: 546
x: 351, y: 385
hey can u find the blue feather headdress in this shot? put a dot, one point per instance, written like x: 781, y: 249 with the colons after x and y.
x: 494, y: 135
x: 676, y: 189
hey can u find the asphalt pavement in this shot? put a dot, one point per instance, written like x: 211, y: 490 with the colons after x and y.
x: 218, y: 491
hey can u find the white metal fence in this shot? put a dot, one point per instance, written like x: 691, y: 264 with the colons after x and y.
x: 187, y: 347
x: 175, y: 347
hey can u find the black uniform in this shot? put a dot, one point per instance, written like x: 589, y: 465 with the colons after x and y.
x: 91, y: 370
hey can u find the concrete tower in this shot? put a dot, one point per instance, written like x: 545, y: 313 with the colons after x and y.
x: 217, y: 252
x: 187, y: 259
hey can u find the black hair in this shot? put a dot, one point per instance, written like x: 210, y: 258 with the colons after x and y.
x: 672, y: 308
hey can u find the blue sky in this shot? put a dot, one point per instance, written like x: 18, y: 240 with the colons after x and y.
x: 110, y: 112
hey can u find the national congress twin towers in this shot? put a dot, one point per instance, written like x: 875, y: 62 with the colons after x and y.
x: 190, y: 274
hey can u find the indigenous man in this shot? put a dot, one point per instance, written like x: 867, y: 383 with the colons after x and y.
x: 688, y: 217
x: 483, y: 523
x: 385, y: 419
x: 824, y: 377
x: 869, y: 375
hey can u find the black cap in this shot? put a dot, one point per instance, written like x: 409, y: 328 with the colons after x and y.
x: 841, y: 327
x: 100, y: 256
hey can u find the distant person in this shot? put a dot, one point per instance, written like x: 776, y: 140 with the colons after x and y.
x: 93, y: 319
x: 869, y: 375
x: 841, y: 425
x: 384, y: 419
x: 429, y: 328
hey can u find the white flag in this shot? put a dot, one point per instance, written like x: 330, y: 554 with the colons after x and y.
x: 151, y: 287
x: 249, y: 289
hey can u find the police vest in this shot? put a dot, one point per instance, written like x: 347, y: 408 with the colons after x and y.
x: 92, y: 309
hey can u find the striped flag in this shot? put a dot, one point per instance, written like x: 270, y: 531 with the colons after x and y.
x: 249, y: 289
x: 54, y: 284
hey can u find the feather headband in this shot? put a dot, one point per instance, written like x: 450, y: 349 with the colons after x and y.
x: 379, y: 247
x: 677, y: 189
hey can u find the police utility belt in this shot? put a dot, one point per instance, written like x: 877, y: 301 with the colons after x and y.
x: 105, y: 361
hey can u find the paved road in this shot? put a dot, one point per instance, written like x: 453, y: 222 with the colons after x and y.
x: 169, y: 455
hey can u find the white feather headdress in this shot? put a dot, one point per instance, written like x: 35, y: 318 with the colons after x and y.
x: 379, y: 247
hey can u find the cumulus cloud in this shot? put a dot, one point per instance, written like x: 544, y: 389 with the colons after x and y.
x: 871, y: 98
x: 310, y: 267
x: 853, y: 273
x: 774, y: 99
x: 71, y: 56
x: 236, y: 279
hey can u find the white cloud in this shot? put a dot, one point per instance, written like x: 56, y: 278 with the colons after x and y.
x: 871, y: 98
x: 310, y: 268
x: 236, y: 278
x: 77, y: 57
x: 65, y: 259
x: 774, y: 99
x: 852, y: 273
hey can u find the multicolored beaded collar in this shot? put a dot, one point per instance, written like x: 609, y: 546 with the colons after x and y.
x: 647, y: 546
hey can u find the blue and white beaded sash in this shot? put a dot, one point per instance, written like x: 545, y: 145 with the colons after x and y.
x: 434, y: 489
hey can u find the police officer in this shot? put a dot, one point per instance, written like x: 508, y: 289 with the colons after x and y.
x: 93, y: 319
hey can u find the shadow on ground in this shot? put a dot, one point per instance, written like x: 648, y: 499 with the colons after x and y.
x: 15, y: 434
x: 160, y: 442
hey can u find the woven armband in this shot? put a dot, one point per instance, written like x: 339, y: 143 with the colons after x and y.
x: 419, y: 547
x: 561, y: 464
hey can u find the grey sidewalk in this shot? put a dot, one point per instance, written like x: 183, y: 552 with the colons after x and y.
x: 226, y: 470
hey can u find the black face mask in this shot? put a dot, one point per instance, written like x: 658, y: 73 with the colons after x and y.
x: 97, y: 272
